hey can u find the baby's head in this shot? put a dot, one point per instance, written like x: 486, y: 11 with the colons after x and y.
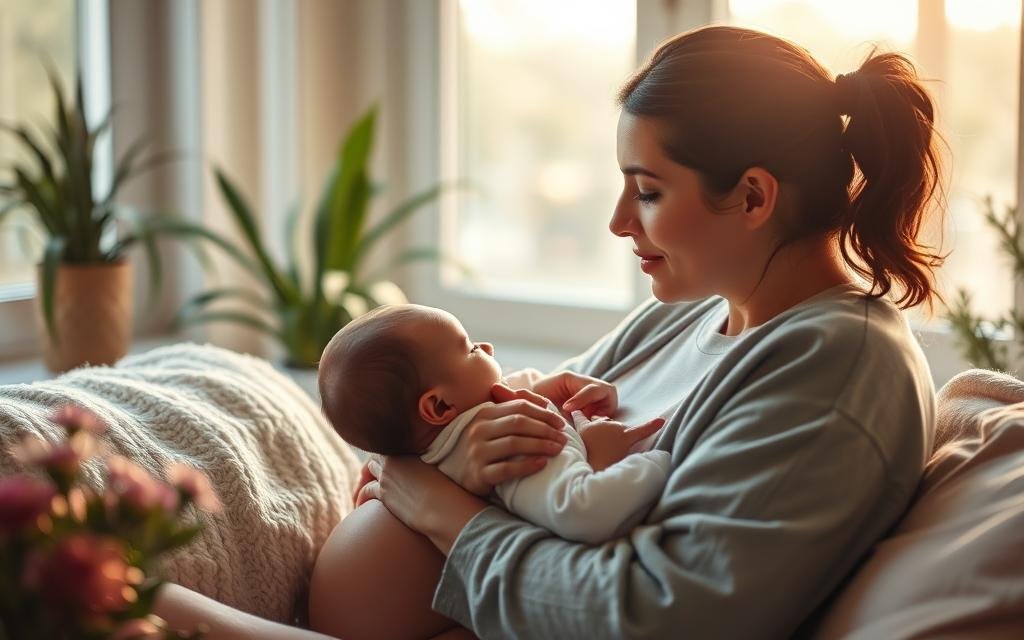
x: 391, y: 379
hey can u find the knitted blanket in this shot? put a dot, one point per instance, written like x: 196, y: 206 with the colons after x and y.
x: 960, y: 402
x: 284, y: 477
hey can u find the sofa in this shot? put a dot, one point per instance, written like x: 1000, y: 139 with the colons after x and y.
x: 953, y: 567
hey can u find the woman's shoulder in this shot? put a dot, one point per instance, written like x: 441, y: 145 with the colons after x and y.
x: 881, y: 375
x: 845, y: 320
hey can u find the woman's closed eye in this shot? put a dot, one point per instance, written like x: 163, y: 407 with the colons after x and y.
x: 648, y: 197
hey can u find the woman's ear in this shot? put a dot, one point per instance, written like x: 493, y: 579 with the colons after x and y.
x: 433, y: 408
x: 759, y: 191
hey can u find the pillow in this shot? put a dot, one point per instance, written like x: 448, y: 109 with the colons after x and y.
x: 284, y: 476
x: 954, y: 566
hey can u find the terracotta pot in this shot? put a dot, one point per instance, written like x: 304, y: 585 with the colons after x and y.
x: 92, y: 315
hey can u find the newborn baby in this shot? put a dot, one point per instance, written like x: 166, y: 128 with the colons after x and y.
x: 406, y: 379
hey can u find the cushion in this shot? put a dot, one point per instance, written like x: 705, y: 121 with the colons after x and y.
x: 284, y: 477
x: 954, y: 566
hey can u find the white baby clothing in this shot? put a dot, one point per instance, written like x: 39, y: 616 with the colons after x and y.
x: 567, y: 496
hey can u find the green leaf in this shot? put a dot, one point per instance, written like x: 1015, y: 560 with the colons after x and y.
x: 52, y: 256
x: 33, y: 146
x: 417, y: 254
x: 291, y: 240
x: 237, y: 317
x: 181, y: 229
x: 155, y: 268
x: 395, y: 217
x: 243, y: 216
x: 340, y: 218
x: 51, y: 219
x: 205, y: 298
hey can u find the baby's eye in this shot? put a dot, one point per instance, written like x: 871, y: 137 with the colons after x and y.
x: 476, y: 347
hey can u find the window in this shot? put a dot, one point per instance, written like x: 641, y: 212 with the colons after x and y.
x: 29, y: 31
x: 538, y: 149
x: 72, y: 35
x: 968, y: 51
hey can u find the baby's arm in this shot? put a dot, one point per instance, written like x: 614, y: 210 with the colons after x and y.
x: 573, y: 501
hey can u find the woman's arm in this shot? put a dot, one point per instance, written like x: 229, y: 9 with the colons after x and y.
x: 186, y: 610
x: 771, y: 508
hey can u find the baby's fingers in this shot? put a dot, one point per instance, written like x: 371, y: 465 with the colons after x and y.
x: 592, y: 394
x: 638, y: 433
x: 369, y: 491
x: 501, y: 393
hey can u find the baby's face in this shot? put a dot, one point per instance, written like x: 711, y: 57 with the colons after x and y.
x: 467, y: 369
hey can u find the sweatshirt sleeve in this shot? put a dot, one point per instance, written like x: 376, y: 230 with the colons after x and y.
x: 761, y: 518
x: 570, y: 499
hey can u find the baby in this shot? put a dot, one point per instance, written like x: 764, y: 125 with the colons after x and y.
x: 406, y: 379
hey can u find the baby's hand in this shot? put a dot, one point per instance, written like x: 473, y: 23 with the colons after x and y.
x: 572, y: 391
x: 608, y: 441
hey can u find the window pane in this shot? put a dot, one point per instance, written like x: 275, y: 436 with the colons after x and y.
x: 968, y: 49
x: 29, y: 30
x: 535, y: 98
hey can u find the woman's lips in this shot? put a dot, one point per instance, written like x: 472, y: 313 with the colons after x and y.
x: 647, y: 265
x: 649, y: 261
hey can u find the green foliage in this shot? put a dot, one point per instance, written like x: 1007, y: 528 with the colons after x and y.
x: 56, y: 187
x: 303, y: 313
x: 983, y: 341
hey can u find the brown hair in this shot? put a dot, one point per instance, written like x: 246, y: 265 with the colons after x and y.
x: 730, y: 99
x: 369, y: 381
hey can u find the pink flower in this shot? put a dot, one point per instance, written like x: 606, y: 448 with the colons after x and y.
x: 64, y: 457
x: 133, y: 485
x: 83, y: 573
x: 140, y: 629
x: 75, y: 418
x: 22, y: 500
x: 195, y: 485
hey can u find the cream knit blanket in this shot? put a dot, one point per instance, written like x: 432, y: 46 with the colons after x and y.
x: 283, y: 475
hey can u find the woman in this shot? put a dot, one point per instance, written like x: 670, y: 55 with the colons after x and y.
x: 799, y: 406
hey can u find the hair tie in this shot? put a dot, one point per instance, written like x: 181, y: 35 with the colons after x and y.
x: 848, y: 88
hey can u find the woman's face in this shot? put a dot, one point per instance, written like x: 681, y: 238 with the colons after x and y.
x: 688, y: 250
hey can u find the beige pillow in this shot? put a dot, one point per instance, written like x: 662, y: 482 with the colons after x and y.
x: 954, y: 566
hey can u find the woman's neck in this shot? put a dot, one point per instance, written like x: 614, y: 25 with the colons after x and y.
x: 798, y: 272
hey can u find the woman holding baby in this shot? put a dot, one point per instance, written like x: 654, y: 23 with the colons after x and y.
x: 797, y: 405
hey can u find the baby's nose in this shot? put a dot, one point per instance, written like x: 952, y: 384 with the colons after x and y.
x: 487, y: 347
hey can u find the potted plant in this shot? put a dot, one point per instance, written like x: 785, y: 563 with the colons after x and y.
x: 302, y: 310
x: 84, y: 277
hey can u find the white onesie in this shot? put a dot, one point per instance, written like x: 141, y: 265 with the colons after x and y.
x: 567, y: 496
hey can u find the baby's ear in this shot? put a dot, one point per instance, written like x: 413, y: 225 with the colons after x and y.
x: 434, y: 410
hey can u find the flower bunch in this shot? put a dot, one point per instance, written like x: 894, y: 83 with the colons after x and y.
x: 75, y: 563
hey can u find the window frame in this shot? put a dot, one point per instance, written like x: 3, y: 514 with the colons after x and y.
x: 20, y: 336
x: 560, y: 326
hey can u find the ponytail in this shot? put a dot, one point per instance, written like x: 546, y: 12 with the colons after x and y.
x: 890, y: 135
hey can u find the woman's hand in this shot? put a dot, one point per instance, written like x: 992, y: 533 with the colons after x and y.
x: 422, y: 497
x: 365, y: 477
x: 510, y: 440
x: 572, y: 391
x: 609, y: 441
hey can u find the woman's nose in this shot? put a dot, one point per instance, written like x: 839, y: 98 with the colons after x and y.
x: 488, y: 348
x: 623, y: 221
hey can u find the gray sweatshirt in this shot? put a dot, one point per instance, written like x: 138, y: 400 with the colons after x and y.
x: 797, y: 449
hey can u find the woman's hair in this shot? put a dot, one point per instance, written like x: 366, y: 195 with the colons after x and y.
x: 729, y: 99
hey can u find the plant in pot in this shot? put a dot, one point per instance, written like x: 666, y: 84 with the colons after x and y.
x: 299, y: 308
x: 84, y: 277
x: 983, y: 341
